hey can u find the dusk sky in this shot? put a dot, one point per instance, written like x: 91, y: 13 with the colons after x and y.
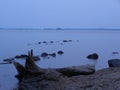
x: 60, y: 13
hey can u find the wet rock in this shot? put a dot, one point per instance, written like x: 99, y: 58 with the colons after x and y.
x: 44, y: 41
x: 114, y: 52
x: 93, y: 56
x: 77, y: 70
x: 39, y: 42
x: 65, y: 40
x: 5, y: 62
x: 44, y: 54
x: 105, y: 79
x: 53, y: 54
x: 51, y: 41
x: 114, y: 63
x: 8, y: 60
x: 21, y: 56
x: 70, y: 40
x: 36, y: 58
x: 60, y: 52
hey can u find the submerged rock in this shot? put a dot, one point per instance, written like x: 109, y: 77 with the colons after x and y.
x: 114, y: 63
x: 93, y: 56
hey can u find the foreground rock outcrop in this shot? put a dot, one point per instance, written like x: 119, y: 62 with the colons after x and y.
x: 105, y: 79
x: 84, y: 77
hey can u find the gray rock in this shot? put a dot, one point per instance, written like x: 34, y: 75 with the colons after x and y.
x: 105, y: 79
x: 93, y: 56
x: 77, y: 70
x: 114, y: 63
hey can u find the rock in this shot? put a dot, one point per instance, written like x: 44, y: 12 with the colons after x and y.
x: 21, y: 56
x: 31, y: 69
x: 93, y: 56
x: 39, y: 42
x: 114, y: 63
x: 45, y: 42
x: 51, y: 41
x: 36, y: 58
x: 8, y: 60
x: 65, y: 40
x: 77, y: 70
x: 114, y: 52
x: 6, y: 63
x: 70, y: 40
x: 60, y: 52
x: 44, y: 54
x: 24, y: 55
x: 53, y: 54
x: 105, y: 79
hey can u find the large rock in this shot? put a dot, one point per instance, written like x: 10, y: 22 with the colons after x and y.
x: 114, y: 63
x: 77, y: 70
x: 105, y: 79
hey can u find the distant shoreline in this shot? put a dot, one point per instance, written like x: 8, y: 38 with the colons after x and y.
x: 111, y: 29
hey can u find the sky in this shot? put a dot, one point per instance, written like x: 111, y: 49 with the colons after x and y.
x: 60, y: 13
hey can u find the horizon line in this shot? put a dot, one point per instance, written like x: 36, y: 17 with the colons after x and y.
x: 59, y: 28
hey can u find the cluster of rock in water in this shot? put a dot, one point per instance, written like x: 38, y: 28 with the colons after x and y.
x: 35, y: 58
x: 52, y: 42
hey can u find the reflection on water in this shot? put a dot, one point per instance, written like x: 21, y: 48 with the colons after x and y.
x: 82, y: 43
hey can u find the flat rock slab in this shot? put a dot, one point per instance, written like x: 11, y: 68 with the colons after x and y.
x: 105, y: 79
x: 77, y: 70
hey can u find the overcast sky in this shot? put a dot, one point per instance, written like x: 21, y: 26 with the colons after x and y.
x: 60, y: 13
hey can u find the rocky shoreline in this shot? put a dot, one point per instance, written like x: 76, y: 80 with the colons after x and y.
x: 32, y: 77
x: 105, y: 79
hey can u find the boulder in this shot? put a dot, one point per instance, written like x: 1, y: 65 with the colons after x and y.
x: 93, y: 56
x: 114, y: 63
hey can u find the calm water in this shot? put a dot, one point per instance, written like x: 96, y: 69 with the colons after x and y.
x: 16, y: 42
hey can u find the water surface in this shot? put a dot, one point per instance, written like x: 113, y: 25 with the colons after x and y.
x: 16, y: 42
